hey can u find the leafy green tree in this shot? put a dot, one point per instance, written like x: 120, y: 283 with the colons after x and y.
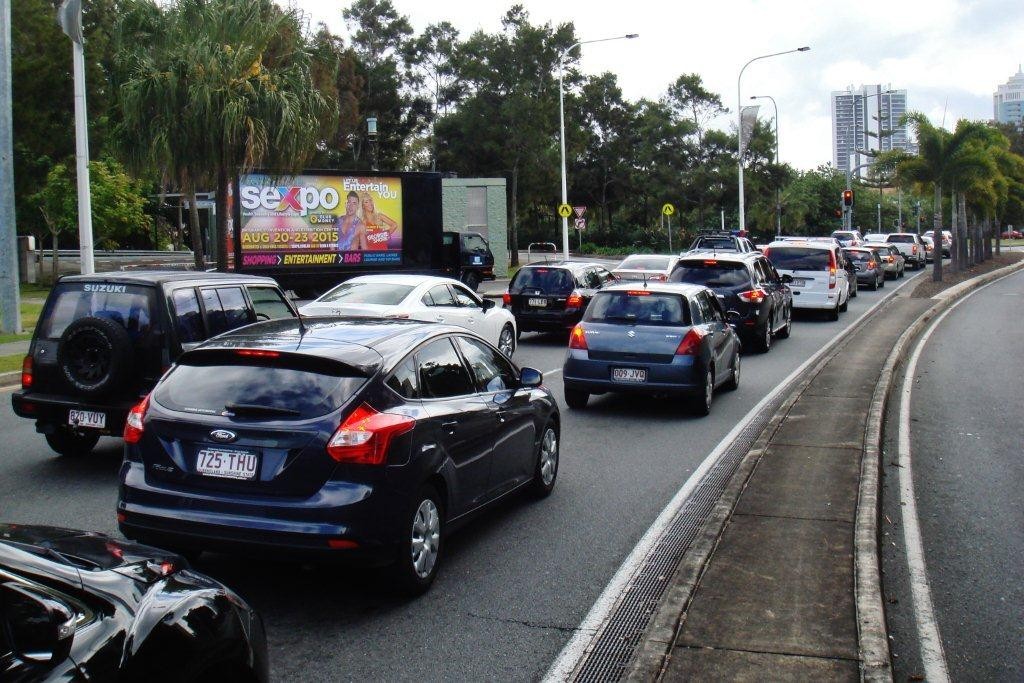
x: 211, y: 88
x: 945, y: 160
x: 119, y: 215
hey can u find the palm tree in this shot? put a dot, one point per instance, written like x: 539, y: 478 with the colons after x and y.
x: 944, y: 160
x: 212, y: 88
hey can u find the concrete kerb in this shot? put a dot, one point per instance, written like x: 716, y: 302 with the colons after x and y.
x: 872, y: 631
x: 9, y: 379
x: 654, y: 655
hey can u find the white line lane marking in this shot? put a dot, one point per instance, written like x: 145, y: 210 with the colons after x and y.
x: 568, y: 659
x: 933, y: 657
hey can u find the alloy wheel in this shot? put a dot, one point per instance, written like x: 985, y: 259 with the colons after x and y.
x: 426, y: 538
x: 548, y: 456
x: 506, y: 342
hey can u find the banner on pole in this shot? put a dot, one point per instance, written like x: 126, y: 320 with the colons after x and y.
x: 748, y: 117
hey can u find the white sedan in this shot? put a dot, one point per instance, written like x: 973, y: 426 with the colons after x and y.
x: 419, y: 297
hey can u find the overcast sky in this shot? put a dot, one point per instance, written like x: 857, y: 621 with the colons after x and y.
x: 948, y: 54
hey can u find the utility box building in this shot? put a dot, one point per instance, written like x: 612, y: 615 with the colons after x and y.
x: 479, y: 205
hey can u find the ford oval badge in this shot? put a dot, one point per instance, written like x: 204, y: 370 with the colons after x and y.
x: 223, y: 435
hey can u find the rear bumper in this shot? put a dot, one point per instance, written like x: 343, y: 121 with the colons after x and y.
x: 549, y: 322
x: 340, y: 511
x: 683, y: 376
x: 812, y: 300
x: 867, y: 277
x: 51, y: 412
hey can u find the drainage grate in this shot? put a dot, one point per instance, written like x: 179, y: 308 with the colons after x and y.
x: 612, y: 654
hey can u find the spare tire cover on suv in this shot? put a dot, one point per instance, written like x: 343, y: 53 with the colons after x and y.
x: 95, y: 355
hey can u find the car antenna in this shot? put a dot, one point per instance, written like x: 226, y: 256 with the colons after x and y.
x: 645, y: 279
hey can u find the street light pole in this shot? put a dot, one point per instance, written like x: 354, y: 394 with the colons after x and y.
x: 739, y: 122
x: 561, y: 126
x: 778, y: 204
x: 10, y: 317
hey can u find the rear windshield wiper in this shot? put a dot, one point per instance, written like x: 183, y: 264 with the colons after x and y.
x: 255, y: 409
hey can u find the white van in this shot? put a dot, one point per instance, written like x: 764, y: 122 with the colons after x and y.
x: 820, y: 279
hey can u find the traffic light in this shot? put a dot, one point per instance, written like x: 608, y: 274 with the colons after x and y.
x: 847, y: 197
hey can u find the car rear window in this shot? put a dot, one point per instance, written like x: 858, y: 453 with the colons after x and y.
x: 844, y: 235
x: 547, y: 280
x: 645, y: 263
x: 640, y: 306
x: 860, y: 255
x: 714, y: 243
x: 901, y: 238
x: 383, y: 293
x: 130, y: 306
x: 474, y: 243
x: 798, y: 258
x: 711, y: 273
x: 208, y: 388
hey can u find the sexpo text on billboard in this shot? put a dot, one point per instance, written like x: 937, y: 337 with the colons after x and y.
x: 319, y: 220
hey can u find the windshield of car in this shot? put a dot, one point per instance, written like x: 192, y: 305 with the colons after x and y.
x: 714, y: 243
x: 638, y: 306
x: 255, y: 389
x: 799, y: 258
x: 645, y: 263
x: 901, y: 238
x: 130, y: 306
x: 546, y: 280
x: 711, y: 273
x: 383, y: 293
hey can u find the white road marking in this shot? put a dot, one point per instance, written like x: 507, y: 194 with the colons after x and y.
x: 933, y: 657
x: 574, y: 651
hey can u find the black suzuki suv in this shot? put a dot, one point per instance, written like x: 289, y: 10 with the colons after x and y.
x: 103, y: 341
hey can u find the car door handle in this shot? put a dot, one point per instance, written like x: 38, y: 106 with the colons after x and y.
x: 449, y: 427
x: 439, y: 318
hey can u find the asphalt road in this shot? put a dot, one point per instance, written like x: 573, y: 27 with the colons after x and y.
x: 966, y: 417
x: 516, y: 583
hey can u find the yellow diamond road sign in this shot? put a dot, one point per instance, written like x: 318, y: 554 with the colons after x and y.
x: 668, y: 209
x: 564, y: 210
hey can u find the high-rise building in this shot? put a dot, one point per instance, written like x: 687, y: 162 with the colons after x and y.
x: 855, y: 124
x: 1008, y: 100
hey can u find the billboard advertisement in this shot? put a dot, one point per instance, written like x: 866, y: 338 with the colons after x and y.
x: 319, y: 220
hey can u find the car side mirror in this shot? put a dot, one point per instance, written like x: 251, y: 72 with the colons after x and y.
x: 786, y: 279
x: 488, y: 304
x: 733, y: 317
x: 41, y: 627
x: 530, y: 378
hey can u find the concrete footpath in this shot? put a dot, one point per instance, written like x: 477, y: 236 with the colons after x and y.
x: 782, y: 582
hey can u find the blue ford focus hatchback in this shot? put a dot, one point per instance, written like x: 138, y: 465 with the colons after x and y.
x: 657, y: 339
x: 359, y: 439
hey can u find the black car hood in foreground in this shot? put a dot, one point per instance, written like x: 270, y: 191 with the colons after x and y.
x: 142, y: 613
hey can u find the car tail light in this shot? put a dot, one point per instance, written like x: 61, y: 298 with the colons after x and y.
x: 765, y: 251
x: 133, y: 425
x: 690, y: 345
x: 871, y: 265
x: 890, y: 258
x: 257, y: 353
x: 575, y: 300
x: 637, y: 292
x: 341, y: 544
x: 506, y: 299
x: 363, y: 438
x: 913, y: 249
x: 577, y: 338
x: 710, y: 262
x: 831, y: 270
x: 753, y: 296
x: 26, y: 373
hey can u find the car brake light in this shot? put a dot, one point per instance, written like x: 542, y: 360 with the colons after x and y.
x: 363, y: 438
x: 710, y: 262
x: 26, y: 373
x: 913, y: 249
x: 575, y: 300
x: 890, y: 258
x: 831, y: 270
x: 871, y: 265
x: 765, y: 251
x: 753, y: 296
x: 577, y: 338
x: 133, y: 424
x: 637, y: 292
x: 506, y: 299
x: 690, y: 345
x: 257, y: 353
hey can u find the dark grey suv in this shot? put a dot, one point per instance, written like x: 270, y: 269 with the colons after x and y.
x: 103, y: 341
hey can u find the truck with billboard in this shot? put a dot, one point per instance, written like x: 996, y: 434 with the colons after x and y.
x: 313, y: 230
